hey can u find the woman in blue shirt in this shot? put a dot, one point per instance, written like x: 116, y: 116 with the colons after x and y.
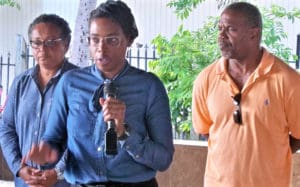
x: 29, y: 100
x: 79, y: 114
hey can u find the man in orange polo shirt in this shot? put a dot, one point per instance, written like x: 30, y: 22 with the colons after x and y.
x: 247, y: 104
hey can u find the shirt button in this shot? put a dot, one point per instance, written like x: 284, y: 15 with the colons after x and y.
x: 137, y: 156
x: 38, y: 114
x: 35, y: 132
x: 127, y: 147
x: 99, y: 149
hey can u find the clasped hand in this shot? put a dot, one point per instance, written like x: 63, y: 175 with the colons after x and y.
x: 36, y: 177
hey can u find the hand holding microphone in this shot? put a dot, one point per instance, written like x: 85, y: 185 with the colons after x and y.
x: 113, y: 114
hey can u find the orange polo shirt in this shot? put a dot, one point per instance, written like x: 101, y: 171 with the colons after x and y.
x: 256, y: 153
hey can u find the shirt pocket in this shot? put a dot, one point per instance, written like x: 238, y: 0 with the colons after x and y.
x: 136, y: 118
x: 81, y: 121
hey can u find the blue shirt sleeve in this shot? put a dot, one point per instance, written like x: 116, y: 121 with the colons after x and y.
x: 74, y: 125
x: 56, y: 134
x: 8, y: 137
x: 156, y: 149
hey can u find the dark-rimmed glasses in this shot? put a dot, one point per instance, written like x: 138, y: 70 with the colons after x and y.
x: 237, y: 114
x: 111, y: 41
x: 36, y: 44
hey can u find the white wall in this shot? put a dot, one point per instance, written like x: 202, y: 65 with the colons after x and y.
x: 14, y: 21
x: 152, y: 17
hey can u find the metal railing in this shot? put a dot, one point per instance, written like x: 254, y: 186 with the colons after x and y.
x: 5, y: 69
x: 137, y: 56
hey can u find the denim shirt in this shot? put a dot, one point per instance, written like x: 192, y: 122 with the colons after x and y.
x: 25, y: 115
x: 72, y: 121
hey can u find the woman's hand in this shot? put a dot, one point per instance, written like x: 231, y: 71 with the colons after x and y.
x: 114, y: 109
x: 42, y: 154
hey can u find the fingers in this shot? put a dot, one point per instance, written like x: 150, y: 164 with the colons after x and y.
x: 31, y: 175
x: 43, y: 178
x: 42, y: 154
x: 113, y: 109
x: 37, y: 179
x: 47, y: 178
x: 24, y: 173
x: 36, y: 172
x: 101, y: 101
x: 35, y: 155
x: 48, y: 154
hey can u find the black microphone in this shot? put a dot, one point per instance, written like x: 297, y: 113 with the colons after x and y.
x: 110, y: 90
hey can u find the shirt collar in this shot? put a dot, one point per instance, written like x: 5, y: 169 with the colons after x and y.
x: 36, y: 70
x: 97, y: 73
x: 264, y: 67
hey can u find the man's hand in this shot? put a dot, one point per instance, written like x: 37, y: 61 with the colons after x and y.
x: 42, y: 154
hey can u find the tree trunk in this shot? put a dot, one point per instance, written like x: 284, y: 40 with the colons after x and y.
x: 79, y: 53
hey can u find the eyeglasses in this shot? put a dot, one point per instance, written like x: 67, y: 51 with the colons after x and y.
x: 237, y: 114
x: 111, y: 41
x: 48, y: 43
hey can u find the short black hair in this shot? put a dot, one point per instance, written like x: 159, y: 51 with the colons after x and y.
x: 251, y: 13
x: 56, y: 20
x: 120, y: 13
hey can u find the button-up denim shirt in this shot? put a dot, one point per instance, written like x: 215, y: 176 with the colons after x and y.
x: 71, y: 120
x: 25, y: 115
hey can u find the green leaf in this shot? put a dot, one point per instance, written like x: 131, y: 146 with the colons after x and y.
x: 186, y: 53
x: 10, y: 3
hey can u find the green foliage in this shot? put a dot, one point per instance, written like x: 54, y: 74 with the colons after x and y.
x: 273, y: 31
x: 10, y: 3
x: 181, y: 59
x: 184, y: 55
x: 183, y: 7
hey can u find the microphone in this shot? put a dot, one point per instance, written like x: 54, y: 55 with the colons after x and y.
x: 110, y: 90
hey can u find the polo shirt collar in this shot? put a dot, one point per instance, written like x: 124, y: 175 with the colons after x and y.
x: 263, y: 68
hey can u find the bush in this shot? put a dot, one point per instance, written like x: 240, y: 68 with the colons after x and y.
x: 187, y: 53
